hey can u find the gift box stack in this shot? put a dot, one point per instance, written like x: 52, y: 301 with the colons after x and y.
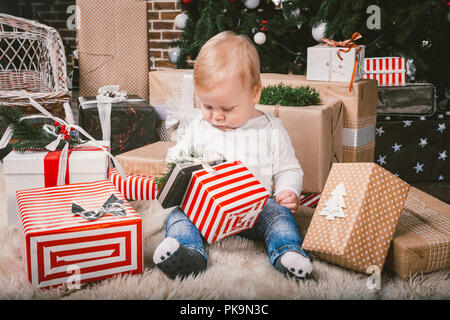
x: 356, y: 216
x: 76, y: 225
x: 368, y: 216
x: 335, y: 69
x: 412, y: 138
x: 367, y: 219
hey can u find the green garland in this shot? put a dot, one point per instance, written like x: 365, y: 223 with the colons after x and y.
x: 29, y: 136
x: 287, y: 95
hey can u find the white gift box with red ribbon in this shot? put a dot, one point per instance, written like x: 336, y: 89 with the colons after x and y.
x: 329, y: 64
x: 36, y: 169
x: 225, y: 201
x: 63, y: 248
x: 388, y: 71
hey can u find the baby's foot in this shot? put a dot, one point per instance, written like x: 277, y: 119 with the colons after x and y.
x: 294, y: 264
x: 176, y: 260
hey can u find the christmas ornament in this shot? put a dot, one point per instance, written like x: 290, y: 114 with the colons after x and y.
x: 259, y: 38
x: 264, y: 25
x: 410, y: 70
x: 276, y: 2
x: 180, y: 21
x: 251, y: 4
x: 174, y: 55
x: 187, y: 2
x: 426, y: 44
x: 318, y: 31
x: 291, y: 11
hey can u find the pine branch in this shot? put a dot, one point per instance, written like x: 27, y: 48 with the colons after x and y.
x: 286, y: 95
x: 29, y: 136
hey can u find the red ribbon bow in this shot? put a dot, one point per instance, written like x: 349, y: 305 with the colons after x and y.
x: 349, y: 43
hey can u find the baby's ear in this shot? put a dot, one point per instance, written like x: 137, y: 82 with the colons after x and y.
x: 257, y: 93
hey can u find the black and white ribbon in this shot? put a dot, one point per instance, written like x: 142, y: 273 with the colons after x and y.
x: 112, y: 206
x: 58, y: 138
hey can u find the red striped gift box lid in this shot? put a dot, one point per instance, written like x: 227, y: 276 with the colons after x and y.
x: 49, y: 209
x: 384, y: 65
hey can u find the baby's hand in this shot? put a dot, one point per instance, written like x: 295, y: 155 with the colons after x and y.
x: 288, y: 199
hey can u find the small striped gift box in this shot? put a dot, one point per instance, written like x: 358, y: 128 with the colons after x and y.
x: 388, y: 71
x: 309, y: 200
x: 135, y: 187
x: 224, y: 203
x: 62, y: 248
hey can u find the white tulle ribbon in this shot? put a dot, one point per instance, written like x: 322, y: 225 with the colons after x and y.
x: 204, y: 159
x: 183, y: 112
x: 7, y: 135
x: 108, y: 95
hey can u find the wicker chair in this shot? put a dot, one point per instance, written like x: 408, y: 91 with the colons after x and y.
x: 32, y: 64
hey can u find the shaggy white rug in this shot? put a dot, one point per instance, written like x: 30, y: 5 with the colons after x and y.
x: 238, y: 269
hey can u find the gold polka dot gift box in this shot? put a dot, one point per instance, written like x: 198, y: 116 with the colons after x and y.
x: 355, y: 219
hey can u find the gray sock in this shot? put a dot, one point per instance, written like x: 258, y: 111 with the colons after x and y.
x: 176, y: 260
x: 294, y: 264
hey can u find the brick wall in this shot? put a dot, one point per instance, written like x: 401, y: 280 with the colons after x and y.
x: 161, y: 15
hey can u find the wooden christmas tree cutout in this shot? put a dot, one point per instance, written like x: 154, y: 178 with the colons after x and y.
x: 335, y: 205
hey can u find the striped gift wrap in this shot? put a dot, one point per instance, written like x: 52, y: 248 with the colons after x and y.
x: 59, y: 244
x: 309, y: 200
x: 224, y: 203
x: 135, y: 187
x: 388, y: 71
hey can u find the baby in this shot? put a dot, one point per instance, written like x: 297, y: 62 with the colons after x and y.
x: 227, y: 83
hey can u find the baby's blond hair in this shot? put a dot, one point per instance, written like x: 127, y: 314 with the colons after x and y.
x: 227, y: 54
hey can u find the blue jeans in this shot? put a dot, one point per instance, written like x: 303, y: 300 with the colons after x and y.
x: 275, y: 225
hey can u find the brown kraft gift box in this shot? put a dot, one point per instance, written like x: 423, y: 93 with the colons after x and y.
x: 147, y: 161
x: 315, y: 133
x: 358, y: 236
x: 360, y: 106
x: 421, y: 241
x: 176, y: 85
x: 112, y: 46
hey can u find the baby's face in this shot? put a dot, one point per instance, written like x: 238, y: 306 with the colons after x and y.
x: 229, y: 105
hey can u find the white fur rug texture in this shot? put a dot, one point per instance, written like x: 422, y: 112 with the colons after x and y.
x: 238, y: 269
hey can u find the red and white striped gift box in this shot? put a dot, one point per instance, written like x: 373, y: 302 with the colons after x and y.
x: 224, y: 203
x: 57, y: 243
x: 135, y: 187
x: 309, y: 200
x: 388, y: 71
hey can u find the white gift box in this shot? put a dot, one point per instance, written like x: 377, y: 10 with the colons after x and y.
x: 26, y: 170
x: 63, y: 248
x: 324, y: 63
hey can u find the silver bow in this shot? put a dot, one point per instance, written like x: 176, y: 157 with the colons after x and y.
x: 204, y: 159
x: 113, y: 206
x: 108, y: 95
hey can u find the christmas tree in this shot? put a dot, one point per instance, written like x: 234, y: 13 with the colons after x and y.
x: 335, y: 205
x: 283, y: 30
